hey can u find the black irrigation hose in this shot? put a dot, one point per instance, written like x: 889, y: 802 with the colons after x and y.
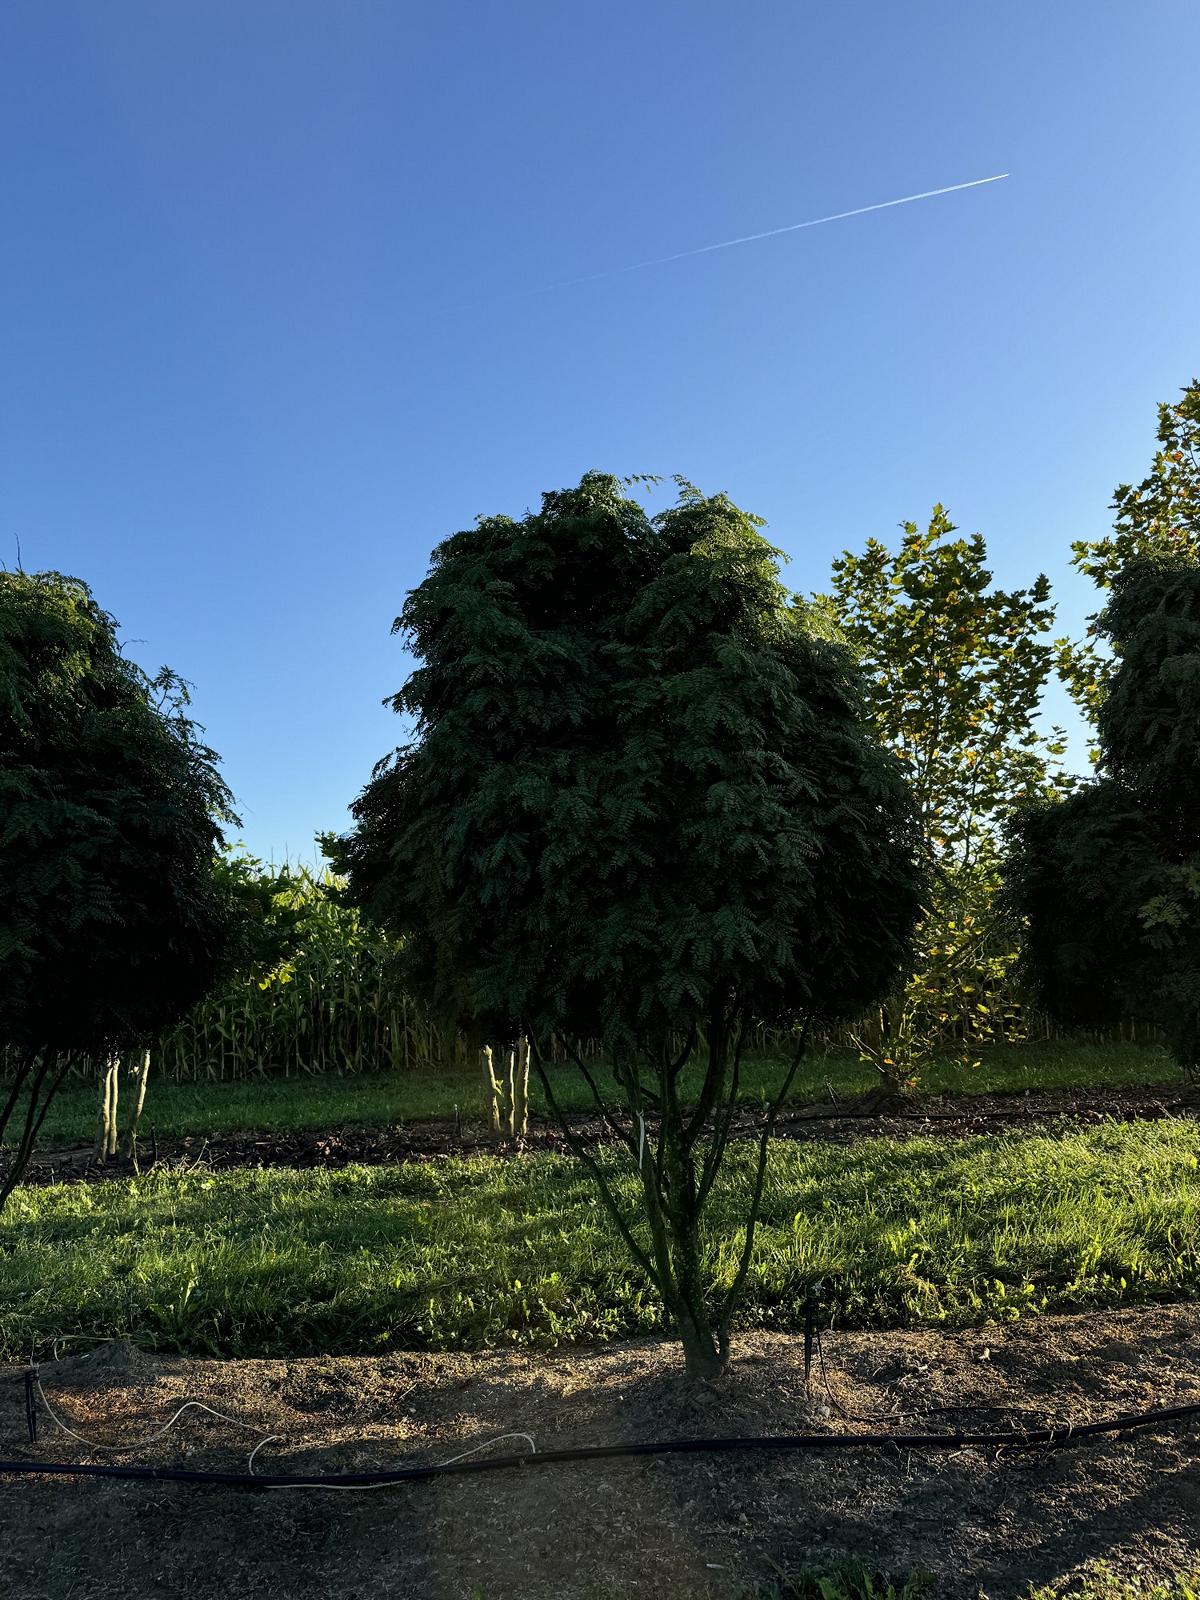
x: 1048, y: 1438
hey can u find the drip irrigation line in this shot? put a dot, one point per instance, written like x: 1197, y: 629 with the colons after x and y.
x: 1045, y: 1438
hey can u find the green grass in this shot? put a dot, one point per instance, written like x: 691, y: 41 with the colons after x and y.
x: 1105, y: 1585
x: 320, y: 1103
x: 855, y: 1580
x: 482, y: 1251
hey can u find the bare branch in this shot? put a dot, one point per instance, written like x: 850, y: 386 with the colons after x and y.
x: 735, y: 1287
x: 716, y: 1150
x: 606, y: 1194
x: 618, y: 1132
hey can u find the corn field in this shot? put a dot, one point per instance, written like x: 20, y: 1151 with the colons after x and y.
x: 338, y: 1005
x: 335, y: 1005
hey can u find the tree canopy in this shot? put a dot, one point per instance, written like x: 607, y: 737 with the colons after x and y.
x: 112, y: 918
x: 1158, y: 517
x: 641, y: 790
x: 642, y: 804
x: 1108, y: 882
x: 954, y: 669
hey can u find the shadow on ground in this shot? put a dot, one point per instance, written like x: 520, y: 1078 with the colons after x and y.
x: 696, y: 1526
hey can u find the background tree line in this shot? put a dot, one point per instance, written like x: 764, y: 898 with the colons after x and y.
x: 654, y: 805
x: 955, y: 671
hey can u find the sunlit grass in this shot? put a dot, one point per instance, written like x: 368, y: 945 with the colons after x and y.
x: 1105, y: 1585
x: 324, y: 1102
x: 483, y: 1251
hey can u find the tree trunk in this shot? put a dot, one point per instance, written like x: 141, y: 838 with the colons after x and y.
x: 491, y: 1090
x: 509, y: 1090
x: 521, y: 1091
x: 701, y: 1354
x: 140, y: 1075
x: 106, y: 1122
x: 677, y: 1164
x: 701, y: 1358
x: 673, y: 1213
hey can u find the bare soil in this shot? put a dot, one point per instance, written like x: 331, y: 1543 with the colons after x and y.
x: 704, y: 1527
x: 956, y: 1115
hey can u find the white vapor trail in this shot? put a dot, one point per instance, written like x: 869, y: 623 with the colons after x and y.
x: 792, y: 227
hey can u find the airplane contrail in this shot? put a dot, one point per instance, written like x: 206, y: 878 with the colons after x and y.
x: 771, y: 233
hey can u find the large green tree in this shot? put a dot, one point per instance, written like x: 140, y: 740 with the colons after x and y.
x: 113, y: 918
x: 642, y: 807
x: 1160, y: 516
x: 954, y: 670
x: 1107, y: 883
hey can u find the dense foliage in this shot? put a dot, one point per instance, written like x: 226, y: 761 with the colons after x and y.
x: 314, y: 991
x: 113, y: 920
x: 1160, y: 516
x: 954, y: 672
x: 642, y: 807
x: 1109, y: 881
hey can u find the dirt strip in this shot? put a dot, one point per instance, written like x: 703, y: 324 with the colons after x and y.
x: 954, y: 1115
x: 692, y: 1526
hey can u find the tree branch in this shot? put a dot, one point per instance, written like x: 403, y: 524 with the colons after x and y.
x: 606, y: 1194
x: 718, y: 1058
x: 25, y: 1063
x: 34, y: 1117
x: 618, y: 1132
x: 716, y: 1150
x: 735, y: 1287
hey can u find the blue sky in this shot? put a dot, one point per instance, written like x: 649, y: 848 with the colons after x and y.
x: 284, y: 304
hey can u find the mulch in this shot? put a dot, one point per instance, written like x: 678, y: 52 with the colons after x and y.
x: 704, y: 1527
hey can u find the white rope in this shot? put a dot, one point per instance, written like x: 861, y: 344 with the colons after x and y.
x: 487, y: 1444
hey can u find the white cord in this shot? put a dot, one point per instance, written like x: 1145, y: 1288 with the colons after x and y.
x: 121, y: 1449
x: 272, y: 1438
x: 487, y: 1443
x: 394, y: 1483
x: 252, y: 1427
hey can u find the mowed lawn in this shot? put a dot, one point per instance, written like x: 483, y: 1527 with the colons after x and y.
x: 323, y: 1103
x: 485, y: 1251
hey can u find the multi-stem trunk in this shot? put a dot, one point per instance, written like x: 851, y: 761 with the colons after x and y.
x: 39, y: 1074
x: 678, y: 1164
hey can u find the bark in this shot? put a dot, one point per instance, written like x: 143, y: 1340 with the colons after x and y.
x: 106, y: 1121
x: 491, y: 1091
x: 702, y: 1354
x: 139, y: 1075
x: 509, y: 1089
x: 521, y: 1090
x: 701, y: 1358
